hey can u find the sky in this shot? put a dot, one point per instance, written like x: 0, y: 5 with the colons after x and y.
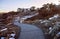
x: 12, y: 5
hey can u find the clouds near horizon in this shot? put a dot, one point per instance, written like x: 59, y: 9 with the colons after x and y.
x: 9, y: 5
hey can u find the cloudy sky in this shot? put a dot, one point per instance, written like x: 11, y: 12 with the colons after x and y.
x: 12, y: 5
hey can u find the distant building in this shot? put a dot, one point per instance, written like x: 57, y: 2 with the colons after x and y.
x: 32, y: 8
x: 19, y: 10
x: 25, y: 10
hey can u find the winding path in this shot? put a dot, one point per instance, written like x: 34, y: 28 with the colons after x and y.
x: 30, y: 31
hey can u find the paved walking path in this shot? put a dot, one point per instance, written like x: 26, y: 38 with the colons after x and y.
x: 30, y: 31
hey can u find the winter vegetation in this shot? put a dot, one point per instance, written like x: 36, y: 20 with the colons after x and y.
x: 45, y: 17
